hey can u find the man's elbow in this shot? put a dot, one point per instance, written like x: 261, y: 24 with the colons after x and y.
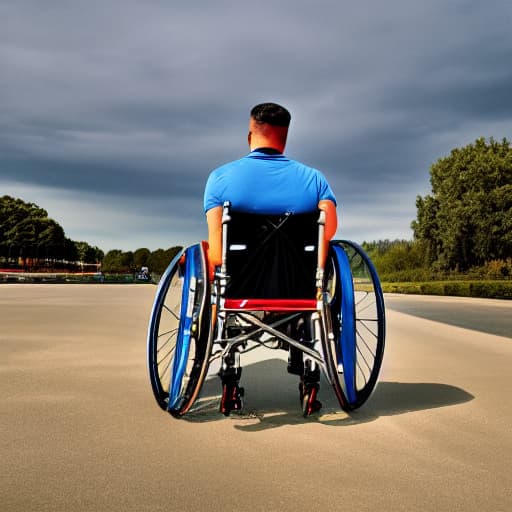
x: 331, y: 217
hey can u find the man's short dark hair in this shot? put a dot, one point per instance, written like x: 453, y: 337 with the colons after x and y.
x: 271, y: 113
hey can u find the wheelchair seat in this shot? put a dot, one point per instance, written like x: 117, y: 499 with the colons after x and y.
x: 272, y: 257
x: 271, y: 261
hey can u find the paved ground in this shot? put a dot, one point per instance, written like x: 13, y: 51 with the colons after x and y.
x: 489, y: 315
x: 79, y: 429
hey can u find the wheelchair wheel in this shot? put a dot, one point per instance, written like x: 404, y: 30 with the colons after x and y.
x: 356, y: 313
x: 179, y: 344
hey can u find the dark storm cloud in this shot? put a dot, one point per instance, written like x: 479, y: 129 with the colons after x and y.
x: 126, y: 106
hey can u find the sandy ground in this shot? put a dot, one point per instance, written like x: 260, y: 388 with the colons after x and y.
x: 80, y: 430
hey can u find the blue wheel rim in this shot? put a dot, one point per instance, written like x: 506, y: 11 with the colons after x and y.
x: 179, y: 332
x: 346, y: 355
x: 358, y: 319
x: 192, y: 260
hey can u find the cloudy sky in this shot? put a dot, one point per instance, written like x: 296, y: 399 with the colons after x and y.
x: 113, y: 113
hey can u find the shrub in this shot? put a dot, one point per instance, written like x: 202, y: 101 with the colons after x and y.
x: 483, y: 289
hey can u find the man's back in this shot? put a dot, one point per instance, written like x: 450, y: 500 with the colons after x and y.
x: 267, y: 182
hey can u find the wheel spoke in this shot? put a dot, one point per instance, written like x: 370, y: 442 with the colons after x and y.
x: 365, y: 296
x: 171, y: 312
x: 170, y: 339
x: 362, y: 323
x: 363, y: 358
x: 165, y: 343
x: 363, y: 375
x: 366, y: 307
x: 172, y: 331
x: 164, y: 371
x: 366, y: 345
x: 167, y: 355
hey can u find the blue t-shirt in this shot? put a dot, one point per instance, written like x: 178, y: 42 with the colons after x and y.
x: 268, y: 184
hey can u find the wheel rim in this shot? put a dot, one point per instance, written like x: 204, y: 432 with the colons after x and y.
x: 358, y: 364
x: 163, y: 331
x: 369, y: 320
x: 178, y: 334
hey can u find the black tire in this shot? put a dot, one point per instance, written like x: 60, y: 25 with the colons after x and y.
x: 179, y: 344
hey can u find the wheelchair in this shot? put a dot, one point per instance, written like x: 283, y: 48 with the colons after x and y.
x: 279, y: 286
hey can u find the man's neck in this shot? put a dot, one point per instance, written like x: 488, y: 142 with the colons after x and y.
x: 268, y: 151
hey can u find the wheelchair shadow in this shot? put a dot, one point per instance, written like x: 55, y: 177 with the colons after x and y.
x: 272, y: 400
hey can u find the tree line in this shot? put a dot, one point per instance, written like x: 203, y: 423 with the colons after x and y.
x: 117, y: 261
x: 463, y: 225
x: 31, y: 239
x: 467, y: 218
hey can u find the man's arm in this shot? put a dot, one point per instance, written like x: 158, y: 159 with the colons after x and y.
x: 214, y: 220
x: 331, y: 224
x: 331, y: 217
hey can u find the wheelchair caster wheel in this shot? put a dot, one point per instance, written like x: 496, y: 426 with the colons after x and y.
x: 308, y: 394
x: 231, y: 398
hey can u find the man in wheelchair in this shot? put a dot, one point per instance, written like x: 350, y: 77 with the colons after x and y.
x: 269, y: 276
x: 286, y: 197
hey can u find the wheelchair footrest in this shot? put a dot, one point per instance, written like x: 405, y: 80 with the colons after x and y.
x: 231, y: 399
x: 308, y: 393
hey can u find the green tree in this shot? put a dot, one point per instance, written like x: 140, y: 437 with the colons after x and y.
x: 397, y: 255
x: 467, y: 219
x: 27, y: 233
x: 70, y: 252
x: 111, y: 261
x: 160, y: 259
x: 20, y: 226
x: 118, y: 261
x: 87, y: 253
x: 140, y: 257
x: 50, y: 240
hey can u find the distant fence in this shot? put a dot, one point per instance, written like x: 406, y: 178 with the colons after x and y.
x: 62, y: 277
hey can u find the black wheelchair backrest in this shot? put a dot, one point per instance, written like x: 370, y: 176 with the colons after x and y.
x: 271, y: 256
